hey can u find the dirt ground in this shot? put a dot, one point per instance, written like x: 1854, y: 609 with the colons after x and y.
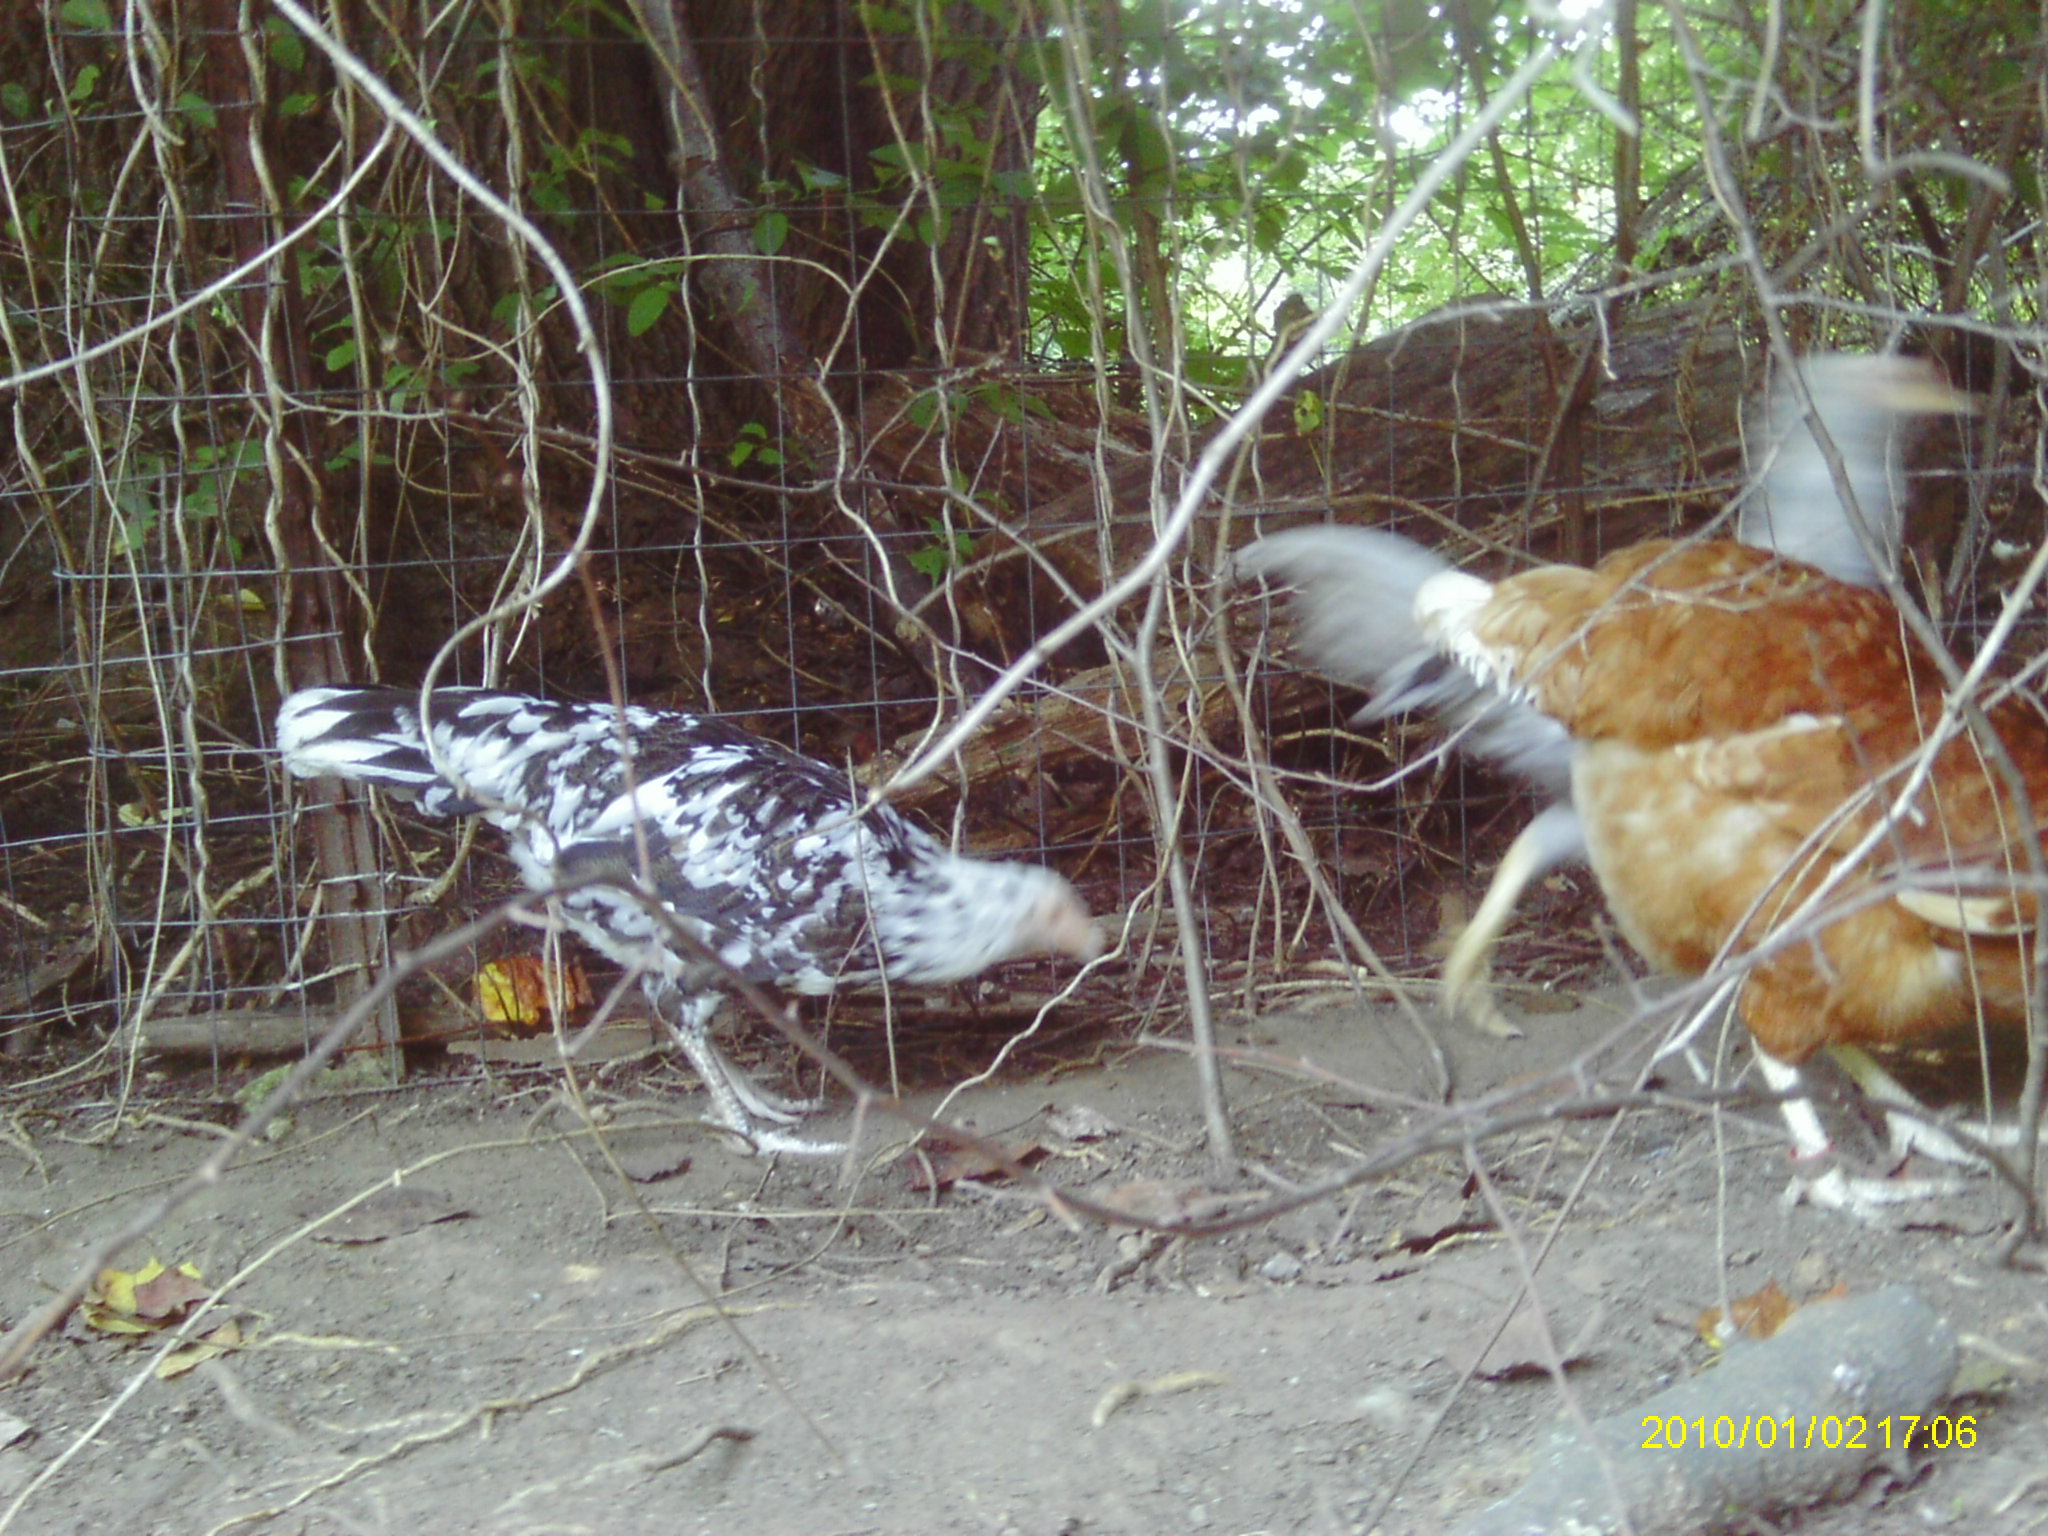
x: 893, y: 1360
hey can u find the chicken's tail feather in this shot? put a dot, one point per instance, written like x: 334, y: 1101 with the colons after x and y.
x: 1354, y: 618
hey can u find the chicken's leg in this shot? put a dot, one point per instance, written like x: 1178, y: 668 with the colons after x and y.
x: 735, y: 1099
x: 1860, y: 1196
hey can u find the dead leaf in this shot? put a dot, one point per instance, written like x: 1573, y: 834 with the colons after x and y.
x: 1438, y: 1220
x: 390, y: 1213
x: 142, y: 1301
x: 1521, y: 1350
x: 1160, y: 1386
x: 211, y: 1347
x: 514, y: 992
x: 938, y: 1163
x: 170, y: 1294
x: 1760, y: 1314
x: 1078, y: 1122
x: 643, y: 1159
x: 1538, y: 1000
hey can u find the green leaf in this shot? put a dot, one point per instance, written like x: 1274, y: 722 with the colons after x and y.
x: 1308, y: 413
x: 287, y: 47
x: 923, y: 409
x: 960, y: 541
x: 506, y: 310
x: 770, y: 231
x: 340, y: 357
x: 87, y: 15
x: 401, y: 382
x: 87, y: 82
x: 1012, y: 406
x: 15, y: 100
x: 197, y: 109
x: 887, y: 18
x: 137, y: 514
x: 753, y: 437
x: 948, y: 550
x: 648, y: 306
x: 298, y: 104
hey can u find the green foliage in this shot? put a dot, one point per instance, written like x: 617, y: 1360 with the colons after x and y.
x: 753, y: 446
x: 286, y: 47
x: 644, y: 289
x: 948, y: 550
x: 646, y: 307
x: 509, y: 307
x: 87, y: 15
x: 569, y: 173
x: 1011, y: 405
x: 372, y: 246
x: 770, y: 231
x: 926, y: 407
x: 1269, y: 141
x: 197, y: 111
x: 212, y: 471
x: 200, y: 487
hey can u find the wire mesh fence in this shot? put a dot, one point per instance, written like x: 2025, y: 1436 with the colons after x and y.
x: 837, y: 417
x: 903, y: 383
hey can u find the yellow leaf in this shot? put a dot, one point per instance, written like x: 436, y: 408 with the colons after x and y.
x: 106, y: 1320
x: 501, y: 996
x: 143, y: 1300
x: 514, y: 991
x: 215, y: 1344
x: 137, y: 813
x: 114, y: 1289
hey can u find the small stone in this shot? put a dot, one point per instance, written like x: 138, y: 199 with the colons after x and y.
x: 1281, y: 1268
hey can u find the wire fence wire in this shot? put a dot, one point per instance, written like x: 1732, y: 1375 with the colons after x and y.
x: 292, y: 400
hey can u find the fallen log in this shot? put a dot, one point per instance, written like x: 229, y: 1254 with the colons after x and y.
x: 1789, y: 1421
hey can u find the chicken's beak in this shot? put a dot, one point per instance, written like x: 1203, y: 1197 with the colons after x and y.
x: 1084, y: 940
x: 1067, y: 929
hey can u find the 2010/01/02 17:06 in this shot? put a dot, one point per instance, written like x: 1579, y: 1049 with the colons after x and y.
x: 1828, y: 1431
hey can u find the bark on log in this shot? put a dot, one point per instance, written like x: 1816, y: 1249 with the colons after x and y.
x: 1450, y: 422
x: 1872, y: 1359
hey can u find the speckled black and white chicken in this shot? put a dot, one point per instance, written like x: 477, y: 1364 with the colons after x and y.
x: 752, y: 849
